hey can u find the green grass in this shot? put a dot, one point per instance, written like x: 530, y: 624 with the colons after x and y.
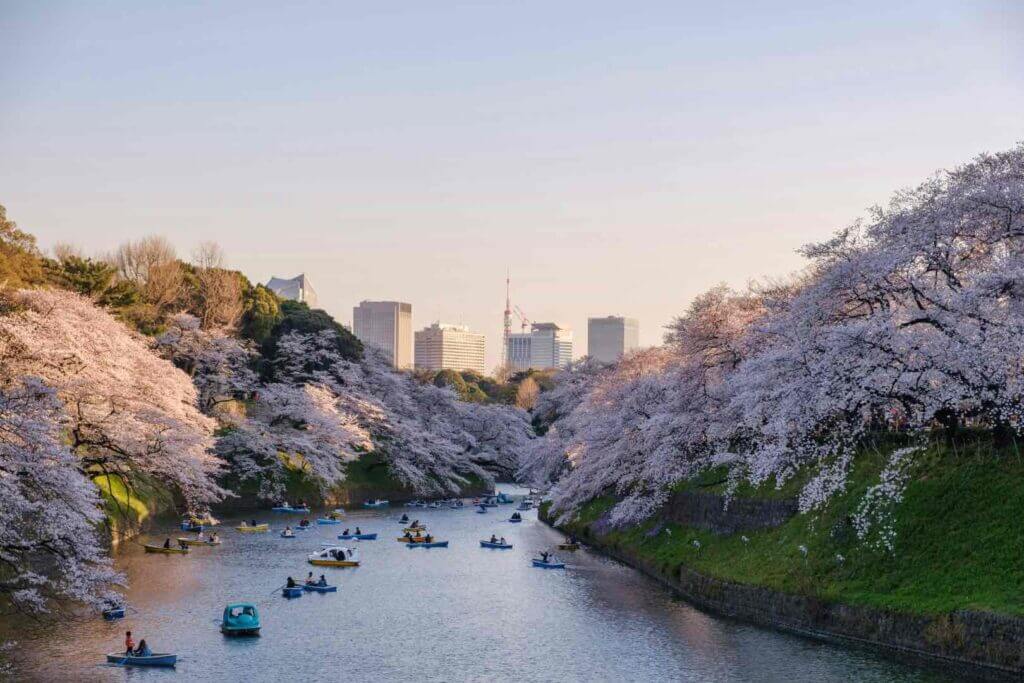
x: 959, y: 543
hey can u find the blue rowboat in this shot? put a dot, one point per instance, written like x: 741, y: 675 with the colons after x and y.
x: 314, y: 588
x: 514, y: 520
x: 295, y: 592
x: 376, y: 503
x: 240, y: 619
x: 155, y: 659
x: 358, y: 537
x: 289, y: 508
x: 112, y: 613
x: 301, y: 528
x: 548, y: 565
x: 500, y: 546
x: 328, y: 520
x: 435, y: 544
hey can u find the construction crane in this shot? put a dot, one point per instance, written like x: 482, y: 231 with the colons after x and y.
x: 523, y: 321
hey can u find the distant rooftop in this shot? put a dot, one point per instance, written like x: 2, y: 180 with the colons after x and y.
x: 297, y: 288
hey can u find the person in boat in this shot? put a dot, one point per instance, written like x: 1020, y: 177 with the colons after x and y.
x: 182, y: 545
x: 345, y: 532
x: 544, y: 556
x: 573, y: 539
x: 129, y: 643
x: 199, y: 536
x: 167, y: 544
x: 415, y: 524
x: 405, y: 519
x: 418, y: 534
x: 494, y: 539
x: 310, y: 580
x: 429, y: 539
x: 502, y: 541
x: 304, y: 522
x: 143, y: 649
x: 322, y: 581
x: 287, y: 529
x: 214, y: 538
x: 290, y: 583
x: 358, y: 532
x: 408, y: 536
x: 252, y: 522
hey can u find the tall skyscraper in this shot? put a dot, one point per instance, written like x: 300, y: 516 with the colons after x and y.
x: 297, y: 288
x: 608, y: 338
x: 546, y: 345
x: 453, y: 347
x: 386, y: 325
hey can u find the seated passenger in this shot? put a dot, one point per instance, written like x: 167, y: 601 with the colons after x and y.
x: 143, y: 649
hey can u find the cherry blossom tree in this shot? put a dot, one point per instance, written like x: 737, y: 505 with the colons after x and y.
x: 49, y: 543
x: 127, y: 410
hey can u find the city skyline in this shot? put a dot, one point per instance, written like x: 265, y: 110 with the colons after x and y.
x: 618, y: 165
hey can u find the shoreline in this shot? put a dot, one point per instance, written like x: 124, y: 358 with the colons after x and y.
x: 924, y: 640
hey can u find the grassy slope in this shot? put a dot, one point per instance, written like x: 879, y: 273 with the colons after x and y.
x: 960, y: 540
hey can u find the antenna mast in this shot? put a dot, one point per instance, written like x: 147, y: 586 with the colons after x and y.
x: 505, y: 360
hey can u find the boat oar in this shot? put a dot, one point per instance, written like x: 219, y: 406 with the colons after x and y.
x: 284, y: 585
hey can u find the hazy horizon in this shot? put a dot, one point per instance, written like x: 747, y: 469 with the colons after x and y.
x: 620, y: 160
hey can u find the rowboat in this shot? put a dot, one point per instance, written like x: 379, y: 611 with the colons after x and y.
x: 196, y: 541
x: 414, y: 529
x: 189, y: 526
x: 247, y: 529
x: 328, y: 520
x: 240, y: 619
x: 414, y: 539
x: 317, y: 588
x: 499, y: 546
x: 515, y: 520
x: 358, y: 537
x: 548, y: 565
x: 568, y: 546
x: 289, y: 508
x: 378, y: 503
x: 165, y: 551
x: 288, y: 534
x: 112, y: 613
x: 432, y: 544
x: 292, y: 591
x: 155, y: 659
x: 334, y: 556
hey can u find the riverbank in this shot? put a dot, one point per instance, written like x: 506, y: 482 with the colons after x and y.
x: 949, y: 595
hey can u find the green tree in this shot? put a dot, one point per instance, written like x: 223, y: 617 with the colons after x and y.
x: 262, y: 312
x: 298, y: 317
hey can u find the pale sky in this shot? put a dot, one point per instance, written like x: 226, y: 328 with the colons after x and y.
x: 619, y: 157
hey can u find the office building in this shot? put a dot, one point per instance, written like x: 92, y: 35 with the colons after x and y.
x: 608, y: 338
x: 385, y: 325
x: 546, y: 345
x: 452, y: 347
x: 297, y: 288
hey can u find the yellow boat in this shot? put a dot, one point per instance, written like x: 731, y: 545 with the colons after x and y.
x: 414, y: 529
x: 568, y: 546
x: 165, y: 551
x: 333, y: 563
x: 253, y: 529
x: 329, y: 557
x: 414, y: 539
x: 196, y: 541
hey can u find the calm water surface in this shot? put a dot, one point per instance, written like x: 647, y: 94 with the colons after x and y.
x: 461, y: 614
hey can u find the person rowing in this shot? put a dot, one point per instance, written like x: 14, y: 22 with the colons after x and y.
x: 358, y: 532
x: 310, y: 580
x: 428, y: 539
x: 143, y: 649
x: 408, y: 536
x: 405, y: 519
x: 322, y: 581
x: 345, y: 532
x: 290, y: 583
x: 494, y: 539
x: 304, y: 522
x: 167, y: 544
x: 544, y: 556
